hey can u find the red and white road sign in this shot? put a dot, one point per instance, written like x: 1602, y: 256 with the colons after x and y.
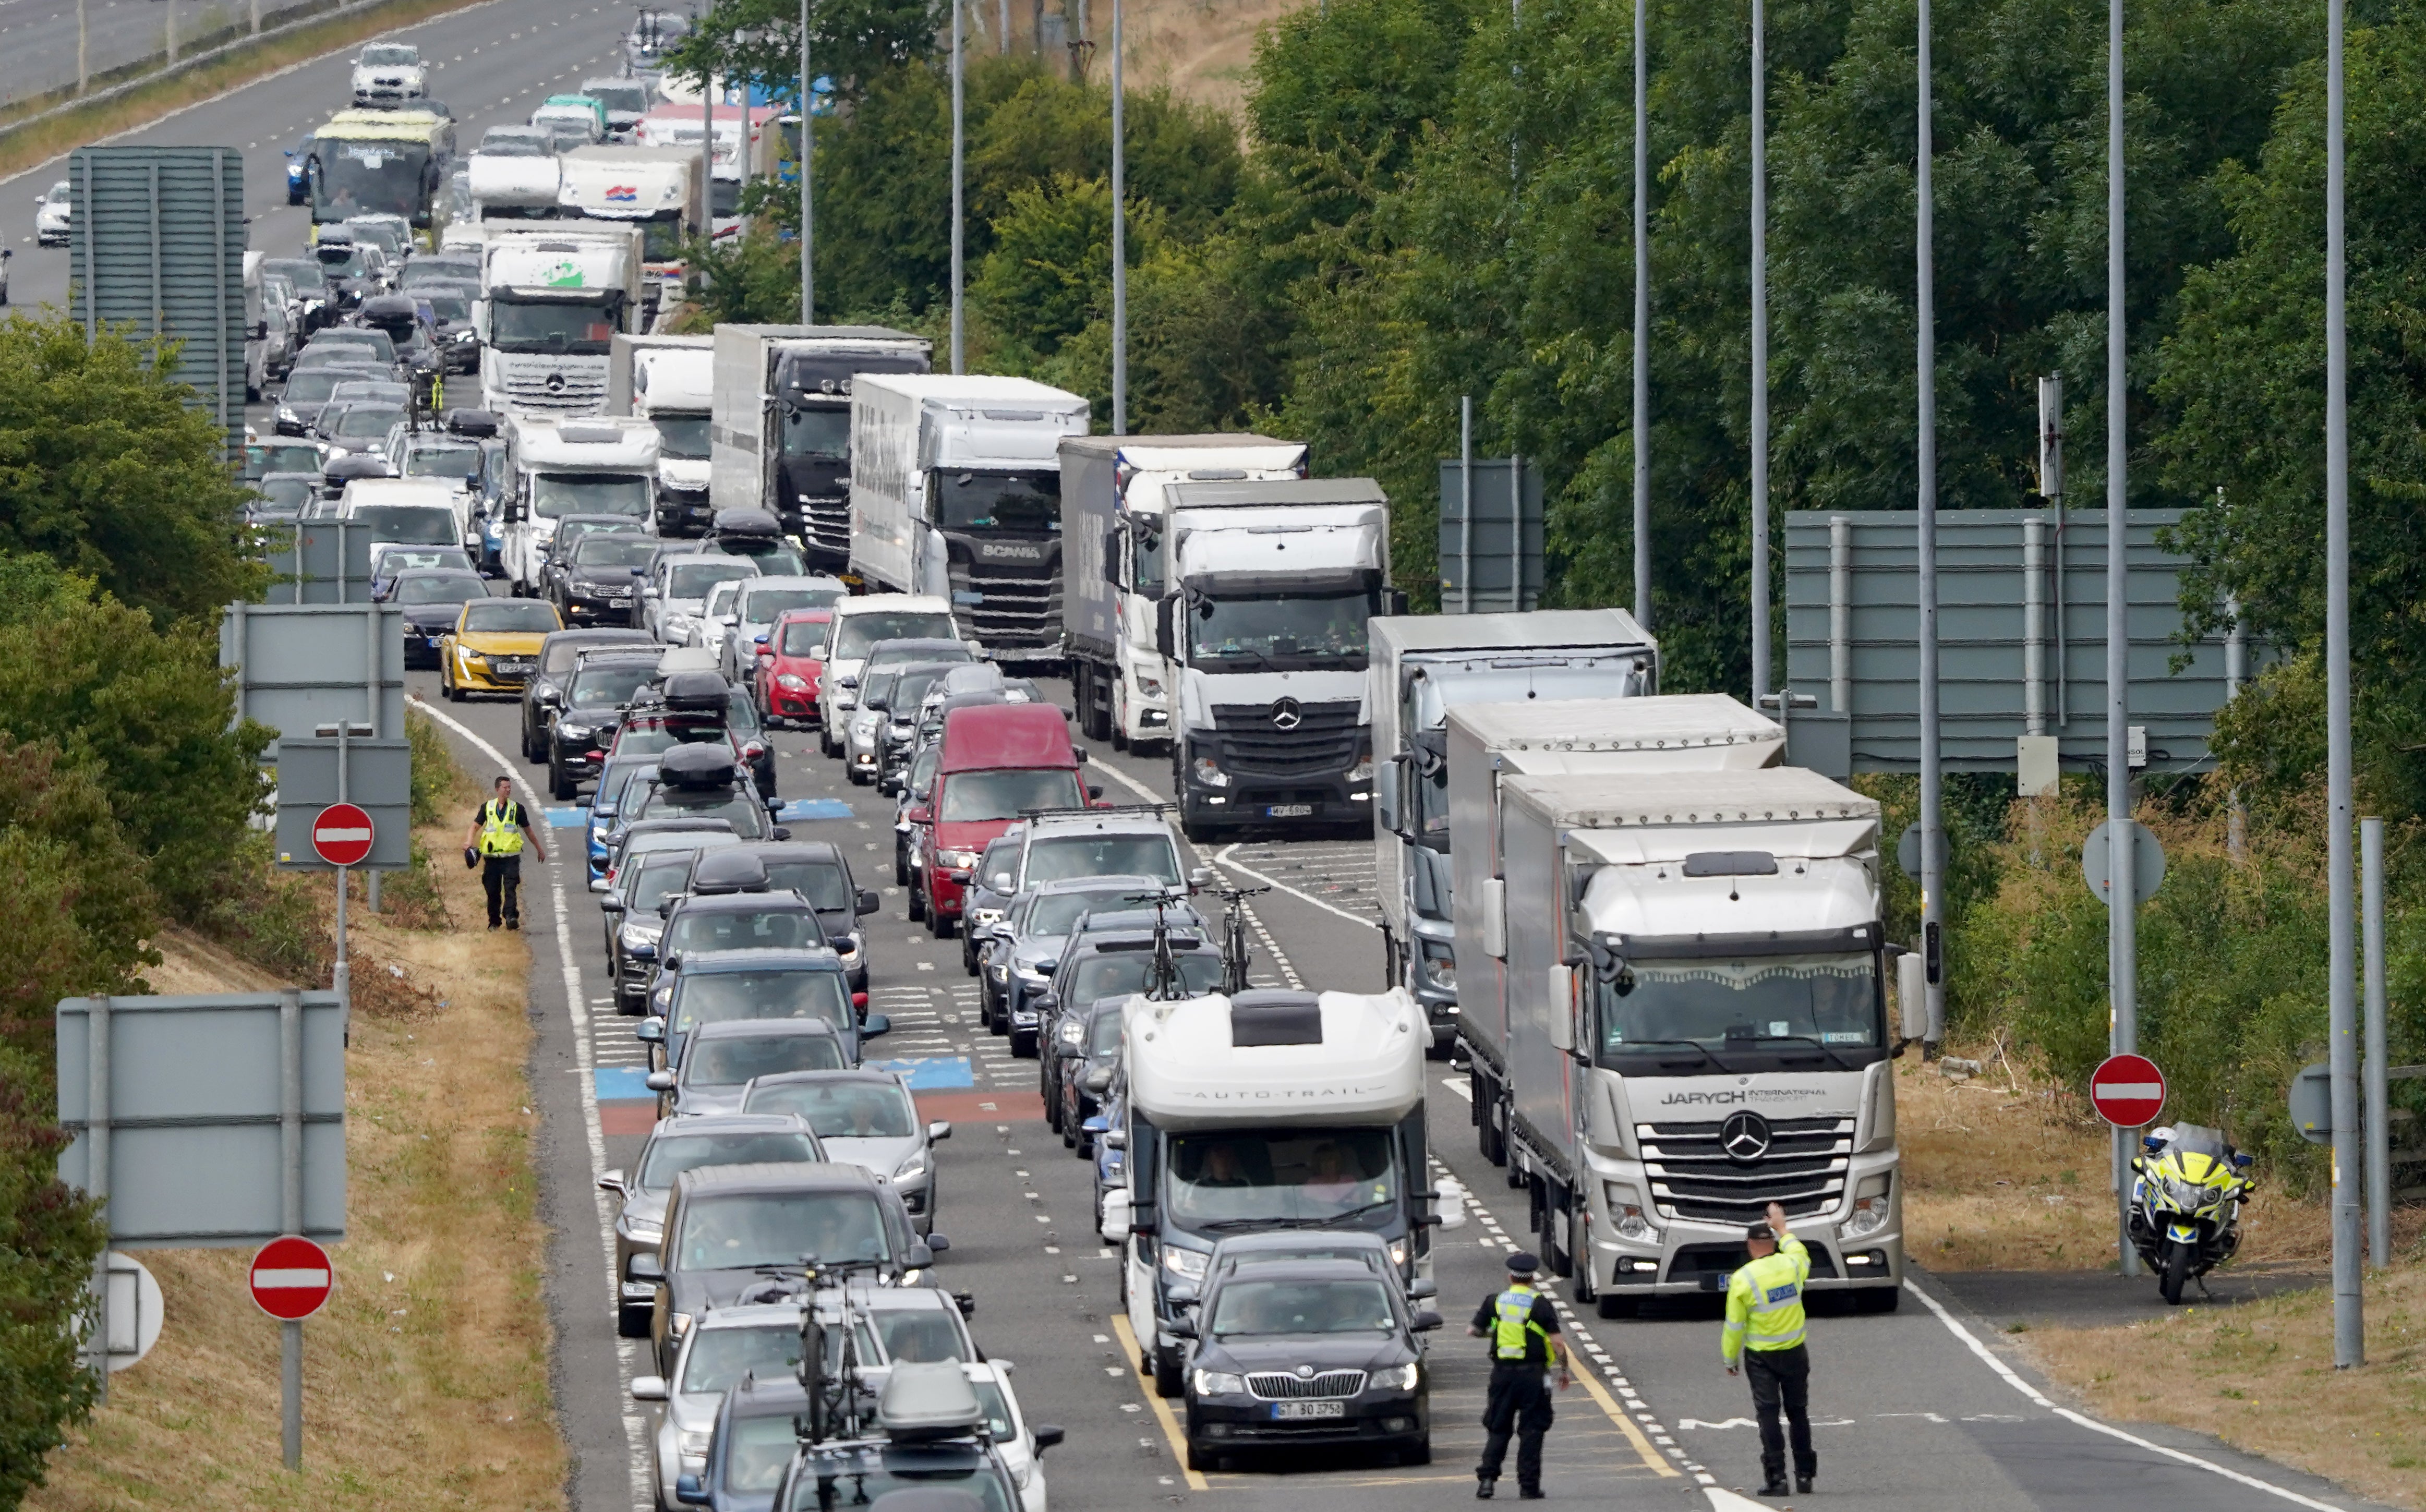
x: 292, y: 1278
x: 342, y: 834
x: 2128, y: 1091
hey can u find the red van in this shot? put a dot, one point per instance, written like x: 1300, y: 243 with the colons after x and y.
x: 996, y: 762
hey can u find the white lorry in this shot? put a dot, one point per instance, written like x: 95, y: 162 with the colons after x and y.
x: 552, y: 298
x: 670, y: 383
x: 956, y: 490
x: 1693, y: 970
x: 1113, y: 522
x: 510, y: 189
x: 1423, y: 665
x: 781, y: 435
x: 1266, y: 590
x: 563, y: 466
x: 1272, y: 1109
x: 655, y: 188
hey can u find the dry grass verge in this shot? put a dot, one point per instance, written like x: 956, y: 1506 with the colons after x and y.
x: 426, y: 1378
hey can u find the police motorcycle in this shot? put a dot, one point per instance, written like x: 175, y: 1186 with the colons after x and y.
x: 2187, y: 1187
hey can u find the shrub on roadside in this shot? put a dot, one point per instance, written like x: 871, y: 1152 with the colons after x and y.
x: 49, y: 1239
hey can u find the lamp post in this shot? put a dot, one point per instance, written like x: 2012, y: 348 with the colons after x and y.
x: 808, y: 180
x: 959, y: 156
x: 1120, y: 259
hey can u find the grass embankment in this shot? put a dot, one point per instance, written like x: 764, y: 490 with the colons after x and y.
x: 426, y: 1378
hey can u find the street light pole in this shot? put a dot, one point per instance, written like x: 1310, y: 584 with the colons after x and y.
x: 1120, y: 238
x: 808, y: 179
x: 1932, y: 832
x: 1642, y: 322
x: 2350, y: 1342
x: 1759, y: 354
x: 2123, y: 899
x: 959, y: 349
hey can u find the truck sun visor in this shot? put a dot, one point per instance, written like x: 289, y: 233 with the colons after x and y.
x: 1275, y: 1018
x: 1730, y: 863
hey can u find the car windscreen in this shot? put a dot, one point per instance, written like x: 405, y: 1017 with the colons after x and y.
x: 860, y: 631
x: 670, y: 1155
x: 716, y: 997
x: 821, y: 882
x: 761, y: 605
x: 719, y: 1357
x: 732, y: 1062
x: 510, y: 616
x: 1054, y: 913
x: 692, y: 580
x: 555, y: 495
x: 1118, y: 973
x: 1026, y: 503
x: 360, y: 421
x: 287, y: 492
x: 391, y: 56
x: 597, y: 686
x: 771, y: 928
x: 842, y: 1110
x: 820, y: 431
x: 462, y: 589
x: 1051, y: 857
x: 658, y: 882
x: 427, y: 525
x: 746, y: 1229
x: 1007, y: 793
x: 614, y: 549
x: 283, y: 457
x: 923, y: 1335
x: 803, y: 637
x: 312, y: 385
x: 396, y: 559
x: 1252, y: 1307
x: 866, y: 1481
x: 451, y: 462
x: 1242, y: 1179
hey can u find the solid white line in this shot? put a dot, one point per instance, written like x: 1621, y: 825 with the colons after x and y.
x: 1225, y: 858
x: 2016, y: 1381
x: 575, y: 1000
x: 1130, y: 783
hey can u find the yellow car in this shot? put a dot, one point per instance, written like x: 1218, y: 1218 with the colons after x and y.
x: 493, y: 645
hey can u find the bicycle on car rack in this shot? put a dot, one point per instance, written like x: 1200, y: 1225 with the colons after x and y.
x: 1236, y: 953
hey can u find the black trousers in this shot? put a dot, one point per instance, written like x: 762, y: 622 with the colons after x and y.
x: 501, y: 877
x: 1782, y: 1378
x: 1519, y: 1405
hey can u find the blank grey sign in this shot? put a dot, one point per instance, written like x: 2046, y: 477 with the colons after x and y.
x: 300, y: 666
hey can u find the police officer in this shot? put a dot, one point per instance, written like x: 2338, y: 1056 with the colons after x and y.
x: 1523, y: 1328
x: 1765, y: 1331
x: 497, y: 838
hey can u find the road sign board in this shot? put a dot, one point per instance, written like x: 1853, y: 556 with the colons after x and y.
x: 2128, y: 1091
x: 2147, y: 863
x: 342, y: 834
x: 378, y: 781
x: 2312, y: 1103
x: 292, y: 1278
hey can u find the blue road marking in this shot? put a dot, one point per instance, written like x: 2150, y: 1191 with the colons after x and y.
x: 936, y: 1074
x: 566, y: 818
x: 622, y: 1084
x: 799, y: 808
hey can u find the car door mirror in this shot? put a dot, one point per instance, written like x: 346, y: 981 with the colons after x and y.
x: 1046, y: 1436
x: 611, y: 904
x: 646, y: 1266
x: 661, y: 1082
x: 874, y: 1024
x: 648, y: 1388
x: 1422, y: 1287
x: 611, y: 1182
x: 1424, y: 1321
x: 1182, y: 1328
x: 866, y: 902
x: 1199, y: 878
x: 650, y: 1032
x: 937, y: 1243
x: 1094, y: 791
x: 919, y: 1257
x: 1114, y: 1138
x: 1001, y: 882
x: 691, y: 1491
x: 940, y: 1129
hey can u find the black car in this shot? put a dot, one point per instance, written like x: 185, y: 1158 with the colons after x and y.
x: 544, y: 689
x: 358, y: 425
x: 1307, y: 1354
x: 352, y: 269
x: 1100, y: 961
x: 1088, y: 1061
x: 308, y: 390
x: 818, y: 870
x: 581, y: 723
x: 447, y: 310
x: 311, y: 282
x: 283, y: 496
x: 593, y: 577
x: 432, y: 600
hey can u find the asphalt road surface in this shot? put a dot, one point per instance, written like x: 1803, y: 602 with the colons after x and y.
x: 1917, y: 1411
x: 38, y: 37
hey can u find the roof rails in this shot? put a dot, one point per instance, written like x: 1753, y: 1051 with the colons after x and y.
x: 1085, y: 809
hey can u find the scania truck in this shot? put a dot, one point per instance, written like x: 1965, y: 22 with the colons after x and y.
x: 668, y: 382
x: 956, y: 490
x: 781, y: 435
x: 1423, y: 664
x: 1113, y: 522
x: 1267, y: 589
x: 1693, y: 970
x: 552, y: 298
x: 1267, y: 1110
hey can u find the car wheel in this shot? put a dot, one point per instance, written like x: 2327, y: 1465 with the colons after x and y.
x: 1022, y: 1044
x: 968, y: 952
x: 1418, y: 1452
x: 631, y: 1324
x: 1201, y: 1459
x: 561, y: 786
x: 1167, y: 1379
x: 900, y: 867
x: 1052, y: 1100
x: 939, y: 923
x: 917, y: 903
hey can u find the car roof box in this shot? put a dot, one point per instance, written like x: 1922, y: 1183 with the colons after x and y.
x: 925, y: 1400
x: 747, y: 521
x: 734, y: 872
x: 696, y: 693
x: 697, y: 766
x: 471, y: 422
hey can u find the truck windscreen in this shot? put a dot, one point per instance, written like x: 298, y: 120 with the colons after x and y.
x: 557, y: 495
x: 820, y: 431
x: 580, y: 328
x: 681, y: 436
x: 1756, y: 1004
x: 1028, y: 503
x: 352, y: 179
x: 1280, y: 632
x: 1241, y: 1180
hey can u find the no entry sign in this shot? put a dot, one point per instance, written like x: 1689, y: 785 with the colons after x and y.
x: 2128, y: 1091
x: 342, y: 834
x: 292, y: 1278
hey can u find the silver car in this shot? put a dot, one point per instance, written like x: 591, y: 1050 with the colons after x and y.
x: 874, y: 741
x: 763, y: 601
x: 674, y: 1147
x: 729, y: 1344
x: 1020, y: 952
x: 723, y: 1059
x: 873, y: 1121
x: 714, y: 625
x: 675, y: 593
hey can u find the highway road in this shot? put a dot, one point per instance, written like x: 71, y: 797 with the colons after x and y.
x: 1917, y: 1411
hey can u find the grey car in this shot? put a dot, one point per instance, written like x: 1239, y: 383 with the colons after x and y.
x: 865, y: 1117
x: 1018, y: 955
x: 723, y: 1059
x: 874, y: 745
x: 759, y: 1341
x: 675, y: 1146
x: 655, y: 869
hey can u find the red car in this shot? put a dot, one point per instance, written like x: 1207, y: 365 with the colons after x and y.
x: 995, y: 763
x: 791, y: 659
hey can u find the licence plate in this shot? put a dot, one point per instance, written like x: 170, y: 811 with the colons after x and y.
x: 513, y: 666
x: 1309, y: 1409
x: 1289, y: 811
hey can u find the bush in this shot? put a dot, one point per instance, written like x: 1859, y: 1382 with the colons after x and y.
x: 82, y: 908
x: 49, y: 1240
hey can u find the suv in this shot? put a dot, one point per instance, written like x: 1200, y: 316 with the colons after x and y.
x: 671, y: 1149
x: 544, y: 688
x: 1127, y: 840
x: 581, y: 721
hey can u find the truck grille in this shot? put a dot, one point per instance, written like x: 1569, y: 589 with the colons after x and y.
x: 579, y: 392
x: 1275, y: 1387
x: 1009, y: 604
x: 1798, y: 1163
x: 1323, y: 741
x: 826, y: 524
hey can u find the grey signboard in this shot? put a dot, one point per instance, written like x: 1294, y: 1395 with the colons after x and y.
x: 301, y: 666
x: 1495, y: 565
x: 322, y: 561
x: 205, y: 1107
x: 378, y: 780
x: 156, y: 241
x: 2010, y: 598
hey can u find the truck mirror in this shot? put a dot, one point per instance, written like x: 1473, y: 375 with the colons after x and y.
x: 1112, y: 556
x: 1385, y: 797
x: 1395, y: 602
x: 1164, y: 638
x: 1563, y: 1007
x: 1912, y: 996
x: 1494, y: 917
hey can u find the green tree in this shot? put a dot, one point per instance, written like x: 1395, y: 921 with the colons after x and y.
x: 49, y: 1239
x: 84, y: 907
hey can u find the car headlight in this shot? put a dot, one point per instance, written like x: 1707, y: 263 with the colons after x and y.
x: 1208, y: 772
x: 574, y: 733
x: 1440, y: 965
x: 465, y: 338
x: 680, y: 622
x: 989, y: 916
x: 1393, y: 1378
x: 695, y: 1440
x: 955, y: 860
x: 866, y: 721
x: 1624, y: 1206
x: 638, y: 934
x: 1187, y: 1263
x: 911, y: 1168
x: 1002, y: 973
x: 1072, y: 1033
x: 791, y: 682
x: 643, y: 1229
x: 1219, y: 1383
x: 681, y: 1323
x: 1398, y: 1252
x: 848, y: 946
x: 289, y: 416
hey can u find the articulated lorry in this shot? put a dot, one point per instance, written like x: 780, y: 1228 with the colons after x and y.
x: 1267, y: 1110
x: 1267, y: 589
x: 565, y: 466
x: 1423, y: 666
x: 1113, y: 522
x: 510, y: 189
x: 552, y: 299
x: 782, y: 436
x: 655, y: 188
x: 670, y: 383
x: 1692, y: 971
x: 956, y: 490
